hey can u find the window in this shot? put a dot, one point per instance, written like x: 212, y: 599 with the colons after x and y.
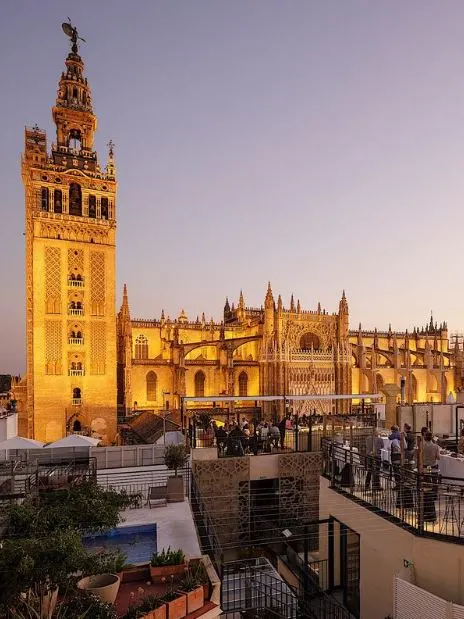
x: 309, y: 341
x: 151, y: 387
x: 58, y: 201
x: 75, y: 199
x: 243, y: 384
x: 104, y: 208
x: 199, y: 384
x: 44, y: 199
x: 76, y: 393
x: 92, y: 206
x: 141, y: 347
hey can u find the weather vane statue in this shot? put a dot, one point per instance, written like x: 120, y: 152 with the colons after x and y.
x: 72, y: 33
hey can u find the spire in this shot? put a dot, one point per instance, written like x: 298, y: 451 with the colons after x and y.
x: 279, y: 304
x: 298, y: 306
x: 73, y: 113
x: 318, y: 307
x: 111, y: 165
x: 292, y: 303
x: 125, y: 312
x: 343, y: 305
x: 226, y: 309
x: 431, y: 321
x: 269, y: 301
x: 241, y: 302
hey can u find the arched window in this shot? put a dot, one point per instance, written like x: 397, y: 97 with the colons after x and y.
x: 77, y: 426
x: 58, y: 201
x: 141, y: 347
x: 104, y: 208
x: 309, y: 341
x: 44, y: 199
x: 75, y: 199
x: 200, y: 384
x: 243, y: 384
x: 151, y: 387
x: 92, y: 206
x: 75, y: 138
x: 76, y: 393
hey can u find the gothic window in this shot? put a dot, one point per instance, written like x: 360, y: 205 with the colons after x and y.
x: 199, y: 384
x: 58, y: 201
x: 243, y: 384
x: 309, y: 341
x: 75, y: 199
x: 77, y: 426
x: 44, y: 199
x: 92, y: 206
x: 151, y: 386
x: 104, y: 208
x: 141, y: 347
x: 76, y: 393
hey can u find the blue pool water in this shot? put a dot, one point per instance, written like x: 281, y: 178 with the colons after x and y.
x: 138, y: 542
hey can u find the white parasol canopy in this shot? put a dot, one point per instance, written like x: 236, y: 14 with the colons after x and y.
x: 74, y: 440
x: 18, y: 442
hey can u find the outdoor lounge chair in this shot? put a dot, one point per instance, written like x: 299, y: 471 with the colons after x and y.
x: 157, y: 495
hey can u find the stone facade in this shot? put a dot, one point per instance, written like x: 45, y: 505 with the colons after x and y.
x: 70, y: 207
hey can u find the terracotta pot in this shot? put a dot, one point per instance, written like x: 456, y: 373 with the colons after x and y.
x: 166, y: 571
x: 177, y: 609
x: 195, y: 599
x: 105, y: 586
x: 175, y: 489
x: 158, y: 613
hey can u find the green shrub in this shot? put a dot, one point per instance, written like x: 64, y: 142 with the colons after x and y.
x: 174, y: 457
x: 168, y: 557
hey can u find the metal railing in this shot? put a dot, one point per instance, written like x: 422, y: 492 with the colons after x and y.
x: 72, y: 311
x: 424, y: 503
x: 75, y: 340
x: 139, y: 482
x: 253, y: 585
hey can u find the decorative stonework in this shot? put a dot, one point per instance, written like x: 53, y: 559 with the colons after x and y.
x: 97, y: 348
x: 53, y: 280
x: 299, y: 486
x: 223, y: 486
x: 53, y: 347
x: 97, y: 283
x: 75, y: 261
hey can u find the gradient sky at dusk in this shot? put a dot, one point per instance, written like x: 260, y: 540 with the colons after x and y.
x: 319, y: 145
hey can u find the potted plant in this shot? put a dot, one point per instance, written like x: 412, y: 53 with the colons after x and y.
x: 176, y: 605
x: 174, y: 458
x: 105, y: 586
x: 167, y: 563
x: 198, y: 572
x: 151, y: 607
x: 193, y: 589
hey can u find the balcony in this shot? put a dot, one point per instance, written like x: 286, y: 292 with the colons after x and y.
x: 75, y: 341
x: 75, y: 283
x: 75, y: 312
x: 76, y: 372
x: 76, y: 401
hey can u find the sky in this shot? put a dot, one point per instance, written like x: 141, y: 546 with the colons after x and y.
x: 318, y: 145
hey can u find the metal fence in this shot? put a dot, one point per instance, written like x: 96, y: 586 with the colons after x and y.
x: 425, y: 503
x: 137, y: 483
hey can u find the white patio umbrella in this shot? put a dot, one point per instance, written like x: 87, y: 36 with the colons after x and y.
x: 18, y: 442
x: 74, y: 440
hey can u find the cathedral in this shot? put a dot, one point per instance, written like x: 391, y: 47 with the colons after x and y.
x: 86, y: 363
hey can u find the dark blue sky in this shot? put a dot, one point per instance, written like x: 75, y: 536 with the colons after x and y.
x: 319, y: 145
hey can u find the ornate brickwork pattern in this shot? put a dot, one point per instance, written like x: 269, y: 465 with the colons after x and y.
x: 97, y: 348
x: 225, y: 495
x: 53, y: 347
x: 75, y: 261
x: 53, y: 280
x: 299, y: 487
x: 97, y: 283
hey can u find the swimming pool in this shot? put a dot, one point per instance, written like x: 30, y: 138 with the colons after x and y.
x: 137, y: 542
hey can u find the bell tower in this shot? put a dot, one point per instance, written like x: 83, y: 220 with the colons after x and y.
x: 70, y: 204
